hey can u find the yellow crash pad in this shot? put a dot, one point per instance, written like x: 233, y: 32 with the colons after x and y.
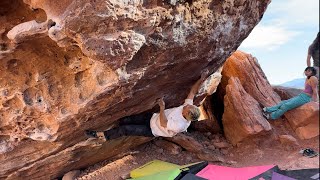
x: 153, y: 167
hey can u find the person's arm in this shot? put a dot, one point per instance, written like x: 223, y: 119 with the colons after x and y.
x: 309, y: 55
x: 312, y: 48
x: 162, y: 116
x: 314, y: 85
x: 196, y: 86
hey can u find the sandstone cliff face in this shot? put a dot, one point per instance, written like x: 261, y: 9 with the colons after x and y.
x: 67, y: 66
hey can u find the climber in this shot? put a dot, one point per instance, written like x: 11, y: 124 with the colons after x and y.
x: 310, y: 92
x: 313, y: 51
x: 166, y: 123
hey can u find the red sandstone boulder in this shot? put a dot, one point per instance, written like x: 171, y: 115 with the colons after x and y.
x: 186, y: 142
x: 242, y: 115
x: 285, y: 92
x: 169, y: 146
x: 305, y: 120
x: 303, y: 115
x: 244, y: 88
x: 309, y: 131
x: 253, y: 80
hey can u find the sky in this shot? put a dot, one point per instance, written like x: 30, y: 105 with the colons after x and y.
x: 281, y: 39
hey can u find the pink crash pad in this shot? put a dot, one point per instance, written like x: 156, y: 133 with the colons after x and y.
x: 213, y: 172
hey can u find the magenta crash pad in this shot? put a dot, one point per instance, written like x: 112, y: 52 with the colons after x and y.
x: 213, y: 172
x: 277, y: 176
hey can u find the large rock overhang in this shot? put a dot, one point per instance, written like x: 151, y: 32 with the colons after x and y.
x: 67, y: 66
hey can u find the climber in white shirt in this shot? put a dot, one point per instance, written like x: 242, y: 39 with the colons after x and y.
x: 166, y: 123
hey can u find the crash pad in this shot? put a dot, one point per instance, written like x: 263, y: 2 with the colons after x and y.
x: 153, y: 167
x: 227, y: 173
x: 304, y: 174
x: 194, y: 168
x: 277, y: 176
x: 267, y: 175
x: 190, y: 176
x: 167, y: 175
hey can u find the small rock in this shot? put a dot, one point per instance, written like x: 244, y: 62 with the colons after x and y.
x: 208, y: 156
x: 231, y: 162
x: 71, y: 175
x: 169, y: 146
x: 212, y: 147
x: 173, y: 2
x: 160, y: 150
x: 288, y: 140
x: 134, y: 152
x: 221, y: 145
x: 135, y: 163
x: 224, y: 151
x: 187, y: 142
x: 208, y: 134
x: 5, y: 92
x: 125, y: 176
x: 189, y: 158
x: 215, y: 139
x: 207, y: 143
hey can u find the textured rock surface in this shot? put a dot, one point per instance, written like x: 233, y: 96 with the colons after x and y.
x: 303, y: 115
x: 221, y: 145
x: 68, y: 65
x: 186, y: 142
x: 285, y: 92
x: 71, y: 175
x: 309, y: 131
x: 305, y: 120
x: 210, y: 157
x: 288, y: 140
x: 168, y: 146
x: 247, y: 69
x: 242, y: 116
x: 209, y: 122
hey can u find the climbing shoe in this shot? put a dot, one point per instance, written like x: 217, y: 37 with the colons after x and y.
x: 309, y: 153
x: 264, y: 109
x: 266, y: 115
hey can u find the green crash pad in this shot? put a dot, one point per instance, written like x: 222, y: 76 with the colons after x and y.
x: 153, y: 167
x: 167, y: 175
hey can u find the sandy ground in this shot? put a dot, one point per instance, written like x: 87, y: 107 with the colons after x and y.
x: 265, y: 150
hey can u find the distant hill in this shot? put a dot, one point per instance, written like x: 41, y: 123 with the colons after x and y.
x: 296, y: 83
